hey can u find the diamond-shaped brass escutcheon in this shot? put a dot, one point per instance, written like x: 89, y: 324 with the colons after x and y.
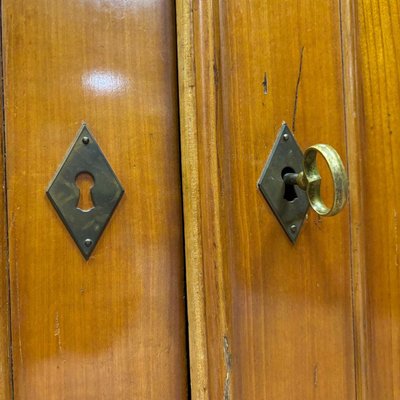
x: 289, y: 203
x: 85, y: 227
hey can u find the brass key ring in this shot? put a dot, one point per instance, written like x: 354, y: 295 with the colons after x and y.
x: 310, y: 179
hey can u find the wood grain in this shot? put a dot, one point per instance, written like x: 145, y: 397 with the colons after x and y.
x: 279, y: 317
x: 192, y: 203
x: 379, y: 30
x: 5, y: 337
x: 113, y: 327
x: 354, y: 125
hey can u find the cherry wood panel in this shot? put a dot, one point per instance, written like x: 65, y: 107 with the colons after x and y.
x: 279, y: 321
x: 113, y: 327
x: 379, y: 30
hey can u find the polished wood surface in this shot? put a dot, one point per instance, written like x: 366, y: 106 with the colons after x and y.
x: 279, y: 321
x: 266, y: 319
x: 113, y: 327
x: 379, y: 32
x: 5, y: 338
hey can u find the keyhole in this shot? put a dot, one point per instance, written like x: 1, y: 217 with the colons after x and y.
x: 84, y: 181
x: 290, y: 192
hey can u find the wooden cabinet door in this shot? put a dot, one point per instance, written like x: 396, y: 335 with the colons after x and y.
x: 269, y: 319
x: 112, y: 327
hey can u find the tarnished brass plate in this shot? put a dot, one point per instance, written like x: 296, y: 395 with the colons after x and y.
x: 286, y: 156
x: 85, y: 227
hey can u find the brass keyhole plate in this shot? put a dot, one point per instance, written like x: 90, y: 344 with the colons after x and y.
x: 285, y: 155
x: 85, y: 226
